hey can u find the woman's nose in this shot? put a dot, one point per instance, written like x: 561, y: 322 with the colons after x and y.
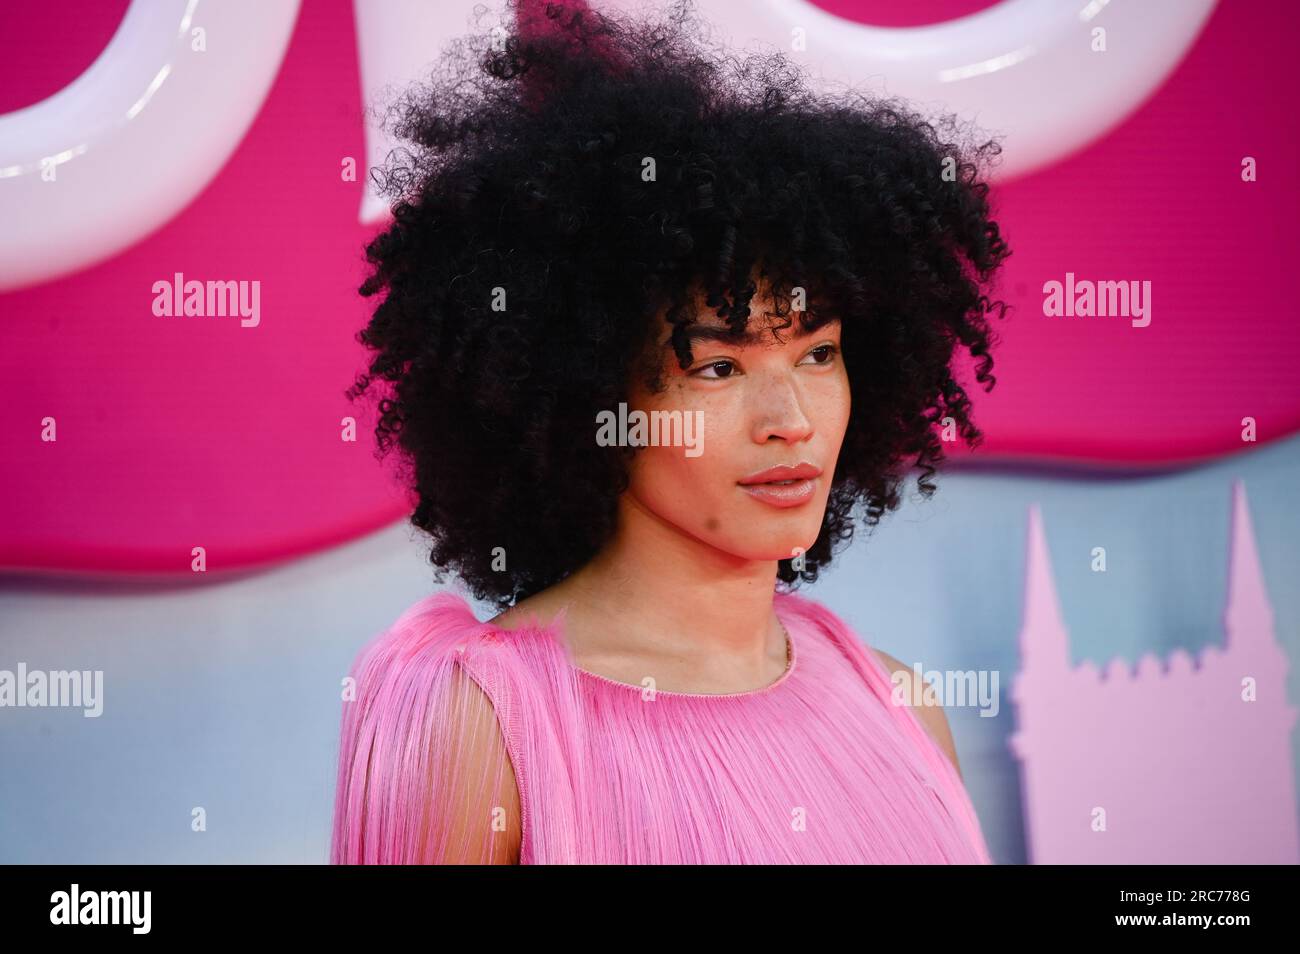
x: 779, y: 413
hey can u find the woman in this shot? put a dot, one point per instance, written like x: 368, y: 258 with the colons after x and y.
x: 606, y: 222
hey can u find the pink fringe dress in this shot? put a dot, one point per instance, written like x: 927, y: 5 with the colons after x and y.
x: 819, y: 767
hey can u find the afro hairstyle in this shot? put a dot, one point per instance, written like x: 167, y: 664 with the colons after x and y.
x: 574, y: 179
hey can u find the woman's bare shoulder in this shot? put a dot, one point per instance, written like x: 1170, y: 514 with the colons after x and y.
x: 540, y: 608
x: 930, y: 712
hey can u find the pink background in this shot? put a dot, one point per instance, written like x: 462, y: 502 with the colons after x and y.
x: 176, y: 433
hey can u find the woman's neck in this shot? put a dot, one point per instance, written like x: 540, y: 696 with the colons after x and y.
x: 657, y: 597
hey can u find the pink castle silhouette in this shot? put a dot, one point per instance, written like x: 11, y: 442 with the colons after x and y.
x: 1168, y: 764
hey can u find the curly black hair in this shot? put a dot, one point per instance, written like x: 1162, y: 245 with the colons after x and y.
x: 565, y: 185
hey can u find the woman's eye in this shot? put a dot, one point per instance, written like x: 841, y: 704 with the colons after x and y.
x: 714, y: 364
x: 827, y: 352
x: 725, y: 368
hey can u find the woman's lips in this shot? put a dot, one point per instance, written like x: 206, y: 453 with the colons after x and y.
x: 782, y: 494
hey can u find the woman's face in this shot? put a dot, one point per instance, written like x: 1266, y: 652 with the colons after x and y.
x: 780, y: 399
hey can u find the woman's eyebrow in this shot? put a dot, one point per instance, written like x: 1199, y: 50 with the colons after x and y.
x: 721, y: 333
x: 749, y: 336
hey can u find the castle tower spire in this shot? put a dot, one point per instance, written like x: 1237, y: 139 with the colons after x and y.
x: 1044, y: 641
x: 1248, y: 616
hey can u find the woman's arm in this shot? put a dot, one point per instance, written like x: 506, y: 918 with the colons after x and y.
x: 479, y: 800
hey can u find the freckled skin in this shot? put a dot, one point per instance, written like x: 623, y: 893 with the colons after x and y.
x: 779, y: 401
